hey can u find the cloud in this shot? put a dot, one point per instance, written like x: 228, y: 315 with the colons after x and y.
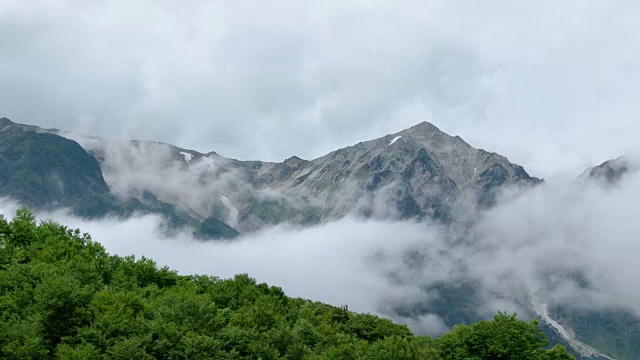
x: 550, y: 84
x: 337, y: 263
x: 562, y: 243
x: 195, y: 186
x: 571, y: 244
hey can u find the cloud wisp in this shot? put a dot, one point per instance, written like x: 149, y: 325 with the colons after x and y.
x: 562, y: 243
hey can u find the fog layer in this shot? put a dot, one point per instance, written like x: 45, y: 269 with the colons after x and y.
x: 563, y: 243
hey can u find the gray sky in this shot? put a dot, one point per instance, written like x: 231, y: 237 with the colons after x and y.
x: 551, y: 84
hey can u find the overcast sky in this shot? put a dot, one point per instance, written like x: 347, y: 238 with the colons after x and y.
x: 551, y: 84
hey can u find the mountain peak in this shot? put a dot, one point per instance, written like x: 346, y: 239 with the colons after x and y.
x: 431, y: 136
x: 610, y: 171
x: 294, y: 161
x: 423, y: 128
x: 421, y: 171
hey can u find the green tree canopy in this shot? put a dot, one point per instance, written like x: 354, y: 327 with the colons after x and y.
x: 63, y: 296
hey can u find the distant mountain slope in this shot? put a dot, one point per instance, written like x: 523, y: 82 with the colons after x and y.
x: 43, y: 170
x: 420, y: 173
x: 611, y: 171
x: 46, y: 171
x: 613, y: 331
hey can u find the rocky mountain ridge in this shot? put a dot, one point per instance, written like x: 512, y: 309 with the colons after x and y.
x: 45, y: 171
x: 611, y: 171
x: 420, y: 172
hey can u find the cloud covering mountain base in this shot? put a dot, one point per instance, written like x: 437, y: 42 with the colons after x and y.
x: 560, y: 243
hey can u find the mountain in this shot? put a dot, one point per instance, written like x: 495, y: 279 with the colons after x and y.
x: 419, y: 173
x: 422, y: 172
x: 611, y: 171
x: 45, y: 171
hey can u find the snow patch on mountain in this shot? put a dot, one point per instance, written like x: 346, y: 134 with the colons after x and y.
x: 233, y: 211
x: 187, y: 157
x: 394, y: 140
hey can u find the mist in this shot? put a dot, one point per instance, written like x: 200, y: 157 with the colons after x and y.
x: 530, y: 246
x: 132, y: 169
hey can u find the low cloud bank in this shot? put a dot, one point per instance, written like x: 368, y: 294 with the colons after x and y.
x: 559, y: 243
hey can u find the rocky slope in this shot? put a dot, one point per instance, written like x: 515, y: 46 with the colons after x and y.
x: 45, y: 171
x: 611, y: 171
x: 420, y: 173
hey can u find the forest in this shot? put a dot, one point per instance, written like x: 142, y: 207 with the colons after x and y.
x: 62, y: 296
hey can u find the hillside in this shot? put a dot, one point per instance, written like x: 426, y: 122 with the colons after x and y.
x: 45, y: 171
x: 63, y: 296
x: 610, y: 172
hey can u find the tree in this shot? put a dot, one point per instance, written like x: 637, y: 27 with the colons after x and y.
x: 63, y: 296
x: 505, y: 337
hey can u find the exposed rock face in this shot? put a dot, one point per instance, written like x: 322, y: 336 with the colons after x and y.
x: 611, y: 171
x: 43, y: 170
x: 420, y: 172
x: 46, y: 171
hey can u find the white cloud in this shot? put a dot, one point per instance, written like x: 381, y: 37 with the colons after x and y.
x: 549, y: 84
x: 533, y: 244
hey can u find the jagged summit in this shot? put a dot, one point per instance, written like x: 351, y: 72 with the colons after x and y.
x: 419, y: 172
x: 428, y: 131
x: 294, y: 161
x: 422, y: 128
x: 610, y: 171
x: 430, y: 135
x: 6, y: 124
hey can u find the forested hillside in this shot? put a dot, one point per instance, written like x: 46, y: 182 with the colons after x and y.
x: 43, y: 170
x: 62, y: 296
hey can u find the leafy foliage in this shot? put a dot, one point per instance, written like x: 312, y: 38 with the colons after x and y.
x: 212, y: 228
x: 62, y: 296
x: 503, y: 338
